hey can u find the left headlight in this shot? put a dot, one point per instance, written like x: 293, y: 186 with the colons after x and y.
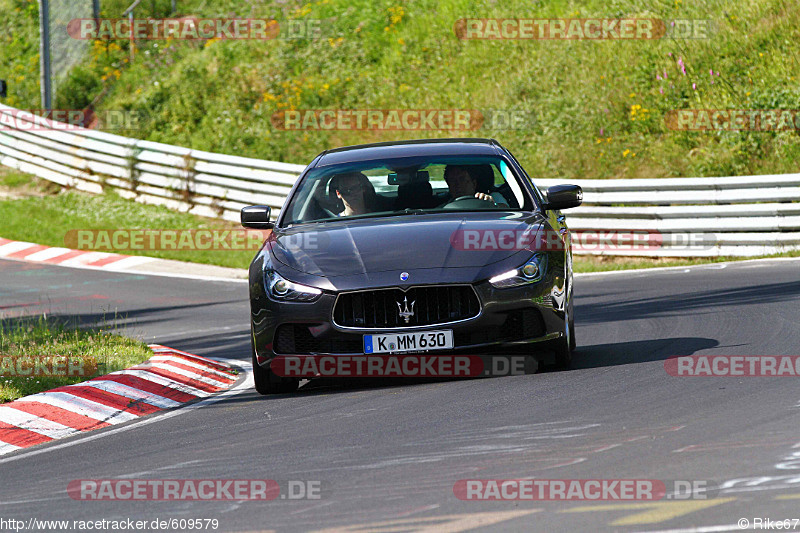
x: 531, y: 272
x: 284, y: 290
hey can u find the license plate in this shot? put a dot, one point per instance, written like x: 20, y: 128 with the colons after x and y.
x: 408, y: 342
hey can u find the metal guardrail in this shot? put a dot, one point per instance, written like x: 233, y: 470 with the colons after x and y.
x: 203, y: 183
x: 692, y: 217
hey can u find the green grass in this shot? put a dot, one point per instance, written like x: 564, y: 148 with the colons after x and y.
x: 47, y: 219
x: 600, y: 105
x: 98, y: 348
x: 14, y: 180
x: 593, y: 263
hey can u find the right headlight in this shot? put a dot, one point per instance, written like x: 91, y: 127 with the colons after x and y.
x: 282, y: 289
x: 531, y: 272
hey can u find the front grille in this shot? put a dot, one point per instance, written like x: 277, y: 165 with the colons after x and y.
x: 296, y: 339
x: 381, y: 308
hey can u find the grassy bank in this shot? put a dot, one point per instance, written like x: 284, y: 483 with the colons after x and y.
x: 592, y: 263
x: 35, y: 212
x: 44, y: 340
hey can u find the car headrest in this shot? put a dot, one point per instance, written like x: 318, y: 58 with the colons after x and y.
x: 415, y: 195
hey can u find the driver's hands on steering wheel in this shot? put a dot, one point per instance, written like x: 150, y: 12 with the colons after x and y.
x: 472, y: 201
x: 478, y: 196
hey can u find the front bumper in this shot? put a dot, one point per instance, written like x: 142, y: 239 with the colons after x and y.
x: 511, y: 321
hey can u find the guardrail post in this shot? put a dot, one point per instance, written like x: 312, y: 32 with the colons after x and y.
x: 44, y: 57
x: 133, y: 37
x: 188, y: 191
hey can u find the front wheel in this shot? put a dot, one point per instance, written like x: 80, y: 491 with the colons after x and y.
x: 267, y: 382
x: 564, y: 345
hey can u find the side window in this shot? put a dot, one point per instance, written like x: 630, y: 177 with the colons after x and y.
x: 536, y: 192
x: 510, y: 189
x: 499, y: 180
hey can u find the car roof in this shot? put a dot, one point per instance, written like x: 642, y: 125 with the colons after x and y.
x: 420, y: 147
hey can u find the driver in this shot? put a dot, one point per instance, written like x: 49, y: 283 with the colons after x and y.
x: 354, y: 191
x: 461, y: 184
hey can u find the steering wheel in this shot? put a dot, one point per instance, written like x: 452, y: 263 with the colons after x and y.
x: 468, y: 202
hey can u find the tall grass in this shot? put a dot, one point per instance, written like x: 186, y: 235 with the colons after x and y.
x: 600, y: 105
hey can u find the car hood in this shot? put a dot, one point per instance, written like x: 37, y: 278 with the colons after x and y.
x: 407, y: 242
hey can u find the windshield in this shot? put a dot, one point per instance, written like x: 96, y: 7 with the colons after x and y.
x: 399, y: 186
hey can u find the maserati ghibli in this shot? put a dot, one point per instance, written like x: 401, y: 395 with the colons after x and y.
x: 441, y: 247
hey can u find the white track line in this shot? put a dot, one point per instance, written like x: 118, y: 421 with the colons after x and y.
x: 703, y: 529
x: 708, y: 266
x: 134, y: 270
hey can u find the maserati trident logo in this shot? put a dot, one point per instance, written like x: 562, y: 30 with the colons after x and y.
x: 404, y: 276
x: 405, y: 313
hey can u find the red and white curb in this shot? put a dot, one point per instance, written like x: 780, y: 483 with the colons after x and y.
x: 111, y: 262
x: 168, y: 379
x: 28, y: 251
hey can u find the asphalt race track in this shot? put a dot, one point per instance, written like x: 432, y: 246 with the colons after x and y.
x: 389, y: 452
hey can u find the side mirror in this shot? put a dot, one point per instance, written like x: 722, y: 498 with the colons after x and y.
x: 563, y: 197
x: 256, y: 217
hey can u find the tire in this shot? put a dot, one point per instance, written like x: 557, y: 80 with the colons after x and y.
x: 573, y: 343
x: 267, y: 382
x: 564, y: 345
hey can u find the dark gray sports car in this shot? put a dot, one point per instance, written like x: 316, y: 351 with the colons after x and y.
x: 430, y: 247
